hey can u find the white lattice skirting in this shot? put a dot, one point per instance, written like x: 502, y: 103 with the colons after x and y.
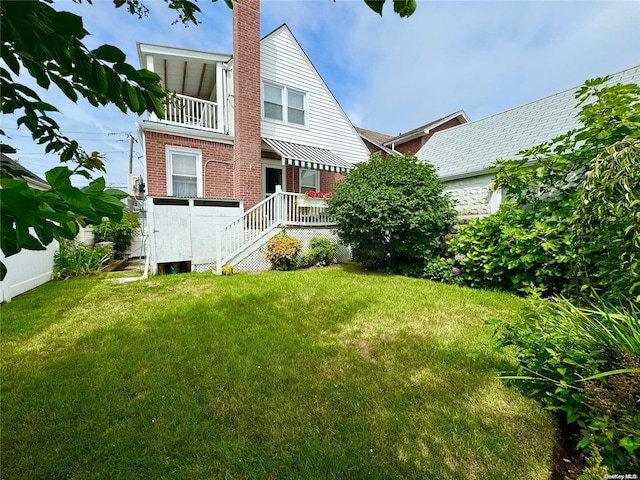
x: 256, y: 261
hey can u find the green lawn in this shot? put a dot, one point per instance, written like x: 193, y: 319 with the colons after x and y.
x: 333, y: 373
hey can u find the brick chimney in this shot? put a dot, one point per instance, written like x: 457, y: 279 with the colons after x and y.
x: 246, y: 86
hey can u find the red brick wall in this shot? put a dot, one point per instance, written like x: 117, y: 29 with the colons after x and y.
x: 328, y: 181
x: 247, y: 122
x: 217, y: 161
x: 414, y: 145
x: 370, y: 146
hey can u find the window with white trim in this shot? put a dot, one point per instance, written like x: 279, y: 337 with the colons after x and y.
x: 309, y: 180
x: 284, y: 104
x: 273, y: 102
x: 184, y: 172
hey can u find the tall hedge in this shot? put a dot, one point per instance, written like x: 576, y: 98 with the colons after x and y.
x: 393, y: 212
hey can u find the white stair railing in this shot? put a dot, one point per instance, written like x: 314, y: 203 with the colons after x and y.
x: 281, y: 208
x: 250, y: 227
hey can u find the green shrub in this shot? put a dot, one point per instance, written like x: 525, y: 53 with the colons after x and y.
x: 227, y: 270
x: 120, y: 233
x: 443, y: 270
x: 584, y: 365
x: 393, y: 212
x: 321, y: 253
x: 571, y: 223
x: 76, y: 260
x: 515, y: 248
x: 606, y: 229
x: 282, y: 251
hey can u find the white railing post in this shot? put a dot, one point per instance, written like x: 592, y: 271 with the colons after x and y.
x: 278, y: 204
x: 218, y: 250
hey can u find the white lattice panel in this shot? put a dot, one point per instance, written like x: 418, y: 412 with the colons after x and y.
x: 204, y: 267
x: 256, y: 261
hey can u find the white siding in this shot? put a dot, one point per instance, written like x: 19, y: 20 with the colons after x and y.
x: 284, y: 63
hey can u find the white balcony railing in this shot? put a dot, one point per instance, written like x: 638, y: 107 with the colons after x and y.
x: 191, y: 112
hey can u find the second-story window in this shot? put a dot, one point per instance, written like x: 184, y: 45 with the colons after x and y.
x: 295, y: 107
x: 273, y: 102
x: 284, y: 104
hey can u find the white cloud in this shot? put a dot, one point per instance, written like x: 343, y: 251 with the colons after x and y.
x: 389, y: 74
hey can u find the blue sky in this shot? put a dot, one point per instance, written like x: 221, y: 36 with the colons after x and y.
x: 389, y: 74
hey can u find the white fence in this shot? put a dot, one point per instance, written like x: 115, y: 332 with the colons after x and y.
x: 26, y: 270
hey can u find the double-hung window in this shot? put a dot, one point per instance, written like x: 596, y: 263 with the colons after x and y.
x: 309, y: 180
x: 284, y: 104
x: 184, y: 172
x: 273, y: 102
x: 295, y: 107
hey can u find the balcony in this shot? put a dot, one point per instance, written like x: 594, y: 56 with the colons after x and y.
x: 192, y: 112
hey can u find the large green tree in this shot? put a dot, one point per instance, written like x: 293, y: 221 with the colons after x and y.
x: 48, y: 45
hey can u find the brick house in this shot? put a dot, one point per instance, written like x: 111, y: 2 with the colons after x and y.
x: 246, y: 122
x: 411, y: 141
x: 239, y: 128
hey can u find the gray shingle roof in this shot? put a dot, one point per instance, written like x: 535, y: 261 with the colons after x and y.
x: 467, y: 150
x: 15, y: 168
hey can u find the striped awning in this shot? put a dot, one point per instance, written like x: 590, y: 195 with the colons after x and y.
x: 306, y: 156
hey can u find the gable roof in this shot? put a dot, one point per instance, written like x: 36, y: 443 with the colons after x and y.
x: 15, y: 169
x: 374, y: 137
x: 467, y: 150
x: 425, y: 129
x: 284, y: 62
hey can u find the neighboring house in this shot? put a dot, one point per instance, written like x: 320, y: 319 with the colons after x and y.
x: 238, y: 127
x: 375, y: 141
x: 26, y: 269
x: 413, y: 140
x: 463, y: 154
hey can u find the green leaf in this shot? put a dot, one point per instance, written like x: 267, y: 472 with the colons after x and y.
x: 75, y: 197
x: 68, y: 24
x: 10, y: 59
x: 630, y: 444
x: 404, y: 8
x: 100, y: 77
x: 609, y: 373
x: 131, y: 97
x: 109, y: 53
x: 375, y: 5
x: 65, y: 86
x: 58, y: 177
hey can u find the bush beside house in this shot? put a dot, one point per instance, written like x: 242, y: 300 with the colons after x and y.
x: 571, y: 226
x: 392, y: 212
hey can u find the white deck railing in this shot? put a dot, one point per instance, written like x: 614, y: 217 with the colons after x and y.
x: 280, y: 209
x: 191, y: 112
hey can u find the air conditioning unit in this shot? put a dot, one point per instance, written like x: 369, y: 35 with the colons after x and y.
x: 135, y: 181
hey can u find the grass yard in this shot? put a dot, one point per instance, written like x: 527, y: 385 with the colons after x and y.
x: 334, y: 373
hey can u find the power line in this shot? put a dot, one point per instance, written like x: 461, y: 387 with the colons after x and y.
x: 90, y: 138
x: 70, y: 131
x: 20, y: 152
